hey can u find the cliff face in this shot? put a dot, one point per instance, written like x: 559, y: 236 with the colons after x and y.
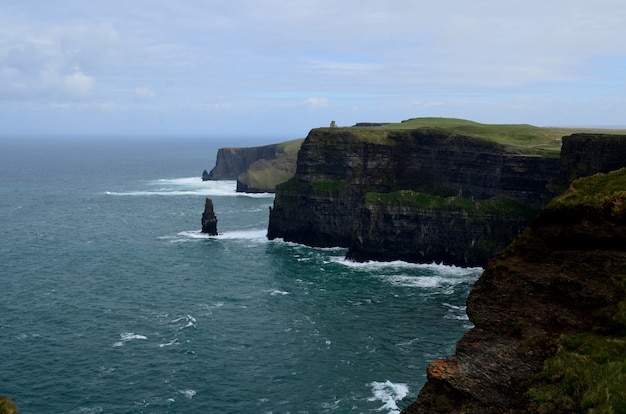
x: 256, y: 169
x: 325, y: 204
x: 549, y: 314
x: 587, y: 154
x: 446, y: 230
x: 233, y: 162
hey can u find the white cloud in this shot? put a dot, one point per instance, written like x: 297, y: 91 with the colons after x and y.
x: 143, y: 94
x: 261, y: 55
x: 78, y: 84
x: 317, y: 102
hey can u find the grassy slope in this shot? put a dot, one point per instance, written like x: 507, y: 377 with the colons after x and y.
x: 525, y: 138
x: 266, y: 174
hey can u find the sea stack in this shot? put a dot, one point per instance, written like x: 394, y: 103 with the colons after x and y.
x: 209, y: 220
x: 205, y: 176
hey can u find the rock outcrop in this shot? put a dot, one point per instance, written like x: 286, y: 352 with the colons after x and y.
x: 549, y: 314
x: 209, y: 220
x: 205, y: 176
x: 256, y: 169
x: 233, y: 162
x: 333, y: 198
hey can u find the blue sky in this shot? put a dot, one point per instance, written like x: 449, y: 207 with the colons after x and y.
x: 271, y: 68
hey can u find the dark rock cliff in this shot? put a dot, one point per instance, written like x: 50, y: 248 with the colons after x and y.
x: 587, y: 154
x: 233, y: 162
x: 327, y: 204
x: 549, y: 314
x: 257, y: 169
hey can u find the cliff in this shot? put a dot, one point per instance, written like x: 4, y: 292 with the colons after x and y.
x: 256, y: 169
x: 549, y: 314
x: 340, y: 195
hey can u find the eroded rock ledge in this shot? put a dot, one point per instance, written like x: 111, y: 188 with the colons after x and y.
x: 549, y: 315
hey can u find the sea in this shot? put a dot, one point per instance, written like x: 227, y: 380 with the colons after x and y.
x: 113, y: 301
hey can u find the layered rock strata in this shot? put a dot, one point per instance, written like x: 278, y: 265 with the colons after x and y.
x: 256, y: 169
x: 331, y: 200
x: 233, y: 162
x: 549, y: 314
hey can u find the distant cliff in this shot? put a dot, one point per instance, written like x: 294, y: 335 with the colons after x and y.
x: 549, y: 314
x: 256, y: 169
x: 418, y: 195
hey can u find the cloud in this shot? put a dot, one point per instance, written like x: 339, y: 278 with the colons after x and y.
x: 78, y: 84
x: 143, y: 94
x: 317, y: 102
x: 260, y: 56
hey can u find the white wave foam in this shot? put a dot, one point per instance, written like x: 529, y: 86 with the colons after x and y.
x: 188, y: 393
x: 259, y: 236
x: 170, y: 343
x: 399, y: 264
x: 276, y: 292
x: 189, y: 186
x: 389, y: 393
x: 129, y: 336
x: 186, y: 321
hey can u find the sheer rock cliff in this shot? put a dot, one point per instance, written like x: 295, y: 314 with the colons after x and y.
x: 437, y: 193
x: 256, y: 169
x: 549, y: 314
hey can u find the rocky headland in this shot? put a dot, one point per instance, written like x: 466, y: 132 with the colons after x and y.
x: 256, y: 169
x: 549, y: 314
x: 419, y: 194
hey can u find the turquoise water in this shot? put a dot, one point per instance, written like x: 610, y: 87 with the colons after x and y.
x: 113, y: 302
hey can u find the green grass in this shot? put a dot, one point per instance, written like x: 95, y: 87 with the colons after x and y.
x: 269, y: 173
x: 598, y: 193
x: 587, y: 375
x: 525, y: 138
x: 292, y: 146
x: 496, y: 205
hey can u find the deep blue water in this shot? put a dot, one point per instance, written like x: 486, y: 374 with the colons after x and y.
x: 113, y: 302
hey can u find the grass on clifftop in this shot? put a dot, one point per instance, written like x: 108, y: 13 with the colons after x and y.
x: 525, y: 138
x: 588, y: 375
x: 596, y: 193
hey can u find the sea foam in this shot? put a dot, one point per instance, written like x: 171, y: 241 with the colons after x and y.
x: 258, y: 236
x: 389, y: 394
x: 188, y: 187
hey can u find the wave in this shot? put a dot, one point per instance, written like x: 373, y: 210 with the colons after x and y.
x: 129, y: 336
x: 189, y: 186
x: 389, y: 394
x: 188, y: 393
x: 259, y: 236
x: 399, y: 264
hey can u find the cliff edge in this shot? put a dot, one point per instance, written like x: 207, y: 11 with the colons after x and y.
x: 419, y: 195
x: 256, y: 169
x: 549, y: 314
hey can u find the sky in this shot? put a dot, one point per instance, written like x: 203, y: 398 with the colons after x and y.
x: 269, y: 68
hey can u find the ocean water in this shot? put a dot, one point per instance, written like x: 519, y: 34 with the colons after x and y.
x: 113, y: 301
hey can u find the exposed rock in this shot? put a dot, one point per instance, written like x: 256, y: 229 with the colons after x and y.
x: 209, y: 220
x: 325, y: 203
x: 426, y: 194
x: 446, y: 230
x: 557, y: 290
x: 205, y: 176
x: 233, y: 162
x: 587, y: 154
x: 257, y: 169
